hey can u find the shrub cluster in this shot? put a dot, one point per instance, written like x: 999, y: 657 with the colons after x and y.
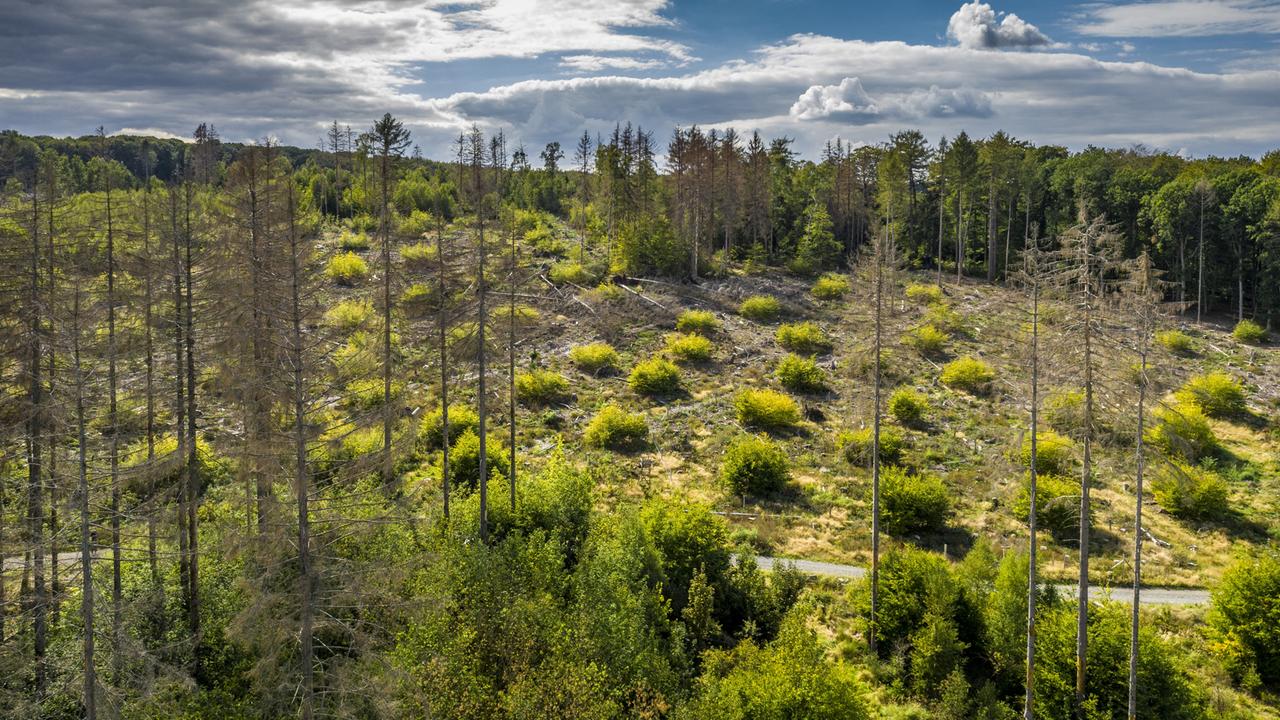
x: 655, y: 376
x: 802, y: 375
x: 1184, y: 431
x: 689, y: 348
x: 927, y: 340
x: 1057, y: 509
x: 1054, y: 453
x: 615, y: 429
x: 347, y: 269
x: 1248, y: 331
x: 1245, y: 618
x: 968, y: 374
x: 760, y: 308
x: 923, y: 294
x: 349, y: 240
x: 908, y: 406
x: 1175, y: 341
x: 703, y: 322
x: 569, y: 272
x: 910, y: 502
x: 594, y: 357
x: 1217, y: 394
x: 461, y: 419
x: 805, y: 338
x: 349, y: 315
x: 1064, y: 411
x: 857, y: 445
x: 541, y: 387
x: 1190, y: 492
x: 943, y: 317
x: 464, y: 460
x: 754, y: 465
x: 831, y: 286
x: 766, y: 410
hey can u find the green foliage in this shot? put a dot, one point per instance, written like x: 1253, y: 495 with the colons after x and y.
x: 1184, y: 431
x: 857, y: 445
x: 943, y: 317
x: 570, y: 272
x: 817, y: 248
x: 1054, y: 453
x: 461, y: 419
x: 464, y: 460
x: 1245, y: 618
x: 831, y: 286
x: 420, y: 257
x: 913, y: 583
x: 689, y: 348
x: 754, y: 465
x: 655, y: 376
x: 760, y: 308
x: 1064, y: 411
x: 349, y: 315
x: 912, y: 503
x: 802, y: 375
x: 524, y: 315
x: 1057, y: 504
x: 1176, y: 342
x: 541, y: 387
x: 615, y: 429
x: 347, y: 269
x: 927, y: 340
x: 922, y: 294
x: 1190, y: 492
x: 908, y: 406
x: 805, y: 338
x: 416, y: 224
x: 1248, y: 331
x: 650, y: 246
x: 1217, y: 394
x: 594, y: 357
x: 703, y: 322
x: 353, y: 241
x: 767, y: 410
x: 968, y: 374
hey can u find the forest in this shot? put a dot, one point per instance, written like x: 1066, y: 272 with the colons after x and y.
x: 709, y: 430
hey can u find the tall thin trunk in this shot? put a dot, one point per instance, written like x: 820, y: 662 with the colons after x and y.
x: 150, y: 365
x: 302, y: 487
x: 481, y: 405
x: 942, y: 206
x: 117, y: 626
x: 511, y: 371
x: 1086, y: 479
x: 179, y: 406
x: 1008, y: 232
x: 442, y: 327
x: 387, y: 416
x: 193, y: 460
x: 875, y: 450
x: 55, y: 585
x: 992, y: 229
x: 1137, y: 530
x: 35, y: 474
x: 1032, y: 547
x: 1200, y: 270
x: 86, y: 548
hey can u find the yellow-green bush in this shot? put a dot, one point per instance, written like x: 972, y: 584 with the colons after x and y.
x: 1248, y: 331
x: 461, y: 419
x: 805, y: 338
x: 760, y: 308
x: 800, y: 374
x: 1064, y: 411
x: 464, y: 460
x: 968, y: 374
x: 685, y: 347
x: 1057, y: 504
x: 366, y: 393
x: 941, y: 316
x: 349, y: 240
x: 419, y: 257
x: 570, y: 272
x: 766, y: 410
x: 1183, y: 430
x: 347, y: 269
x: 615, y: 429
x: 349, y: 315
x: 927, y: 340
x: 1217, y: 394
x: 594, y: 357
x: 856, y: 446
x: 1175, y: 341
x: 924, y: 294
x: 831, y: 286
x: 1189, y: 492
x: 912, y: 503
x: 655, y: 376
x: 1054, y: 453
x: 754, y: 465
x: 908, y: 406
x: 418, y: 299
x: 541, y: 387
x: 524, y: 315
x: 703, y: 322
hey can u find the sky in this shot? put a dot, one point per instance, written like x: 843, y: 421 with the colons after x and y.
x: 1196, y: 77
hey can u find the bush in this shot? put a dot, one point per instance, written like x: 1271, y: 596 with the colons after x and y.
x: 615, y: 429
x: 594, y: 357
x: 1217, y: 394
x: 689, y: 348
x: 1189, y: 492
x: 910, y: 502
x: 524, y: 315
x: 831, y: 287
x: 1184, y: 431
x: 968, y: 374
x: 1053, y: 453
x: 908, y: 406
x: 1245, y: 617
x: 418, y: 299
x: 922, y: 294
x: 349, y: 240
x: 857, y: 445
x: 1248, y: 331
x: 801, y: 375
x: 1057, y: 506
x: 754, y: 466
x: 760, y: 308
x: 349, y: 315
x: 655, y: 376
x: 805, y: 338
x: 941, y: 316
x: 1064, y: 411
x: 703, y: 322
x: 461, y: 419
x: 766, y: 410
x: 419, y: 257
x: 541, y: 387
x: 347, y: 269
x: 817, y: 247
x: 569, y: 272
x: 464, y: 460
x: 1175, y: 341
x: 927, y: 340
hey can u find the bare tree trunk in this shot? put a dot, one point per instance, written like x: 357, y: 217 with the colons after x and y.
x: 35, y: 475
x: 992, y: 230
x: 511, y: 370
x: 150, y: 365
x: 117, y: 631
x: 1032, y: 543
x: 1086, y: 479
x: 942, y: 205
x: 180, y: 407
x: 387, y: 417
x: 192, y: 474
x: 1137, y: 534
x: 875, y: 450
x: 1200, y: 271
x: 442, y: 323
x: 86, y: 547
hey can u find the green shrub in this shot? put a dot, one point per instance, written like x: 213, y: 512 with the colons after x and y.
x: 703, y: 322
x: 801, y: 375
x: 1245, y: 617
x: 908, y: 406
x: 689, y: 348
x: 420, y: 257
x: 857, y: 445
x: 1057, y: 504
x: 760, y: 308
x: 927, y: 340
x: 1217, y: 394
x: 911, y: 503
x: 655, y: 376
x: 805, y: 338
x: 941, y: 316
x: 349, y: 315
x: 461, y: 419
x: 567, y: 272
x: 524, y: 315
x: 766, y: 410
x: 418, y: 299
x: 968, y: 374
x: 541, y: 387
x: 464, y: 460
x: 1248, y: 331
x: 1054, y: 453
x: 922, y: 294
x: 1184, y: 431
x: 367, y: 393
x: 1175, y: 341
x: 1189, y: 492
x: 594, y: 357
x: 349, y: 240
x: 347, y: 269
x: 615, y: 429
x: 1064, y: 411
x: 831, y: 286
x: 754, y: 465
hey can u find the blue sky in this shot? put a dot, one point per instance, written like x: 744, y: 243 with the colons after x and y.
x: 1192, y: 76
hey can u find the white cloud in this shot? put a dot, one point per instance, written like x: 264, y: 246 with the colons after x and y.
x: 849, y: 102
x: 974, y: 25
x: 152, y: 132
x: 846, y: 101
x: 596, y: 63
x: 1187, y: 18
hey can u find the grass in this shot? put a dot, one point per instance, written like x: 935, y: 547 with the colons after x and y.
x: 760, y: 308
